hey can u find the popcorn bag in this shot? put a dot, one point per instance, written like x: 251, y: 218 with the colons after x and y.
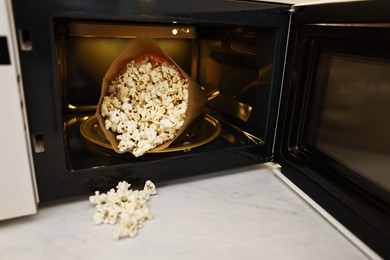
x: 146, y: 99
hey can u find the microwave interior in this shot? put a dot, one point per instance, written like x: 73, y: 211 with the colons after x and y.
x: 235, y: 65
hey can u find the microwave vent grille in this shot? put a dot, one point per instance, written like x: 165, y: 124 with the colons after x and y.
x: 243, y: 47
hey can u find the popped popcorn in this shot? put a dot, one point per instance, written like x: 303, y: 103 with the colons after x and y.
x: 145, y: 105
x: 124, y: 206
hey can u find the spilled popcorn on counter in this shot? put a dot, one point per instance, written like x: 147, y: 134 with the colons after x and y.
x: 145, y: 105
x: 123, y: 206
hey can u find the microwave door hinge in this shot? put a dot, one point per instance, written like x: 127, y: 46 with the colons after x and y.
x: 296, y: 9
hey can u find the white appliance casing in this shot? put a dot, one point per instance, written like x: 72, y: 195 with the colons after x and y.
x: 18, y: 193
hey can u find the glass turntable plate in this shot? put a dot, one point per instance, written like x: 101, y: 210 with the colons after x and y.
x: 203, y: 130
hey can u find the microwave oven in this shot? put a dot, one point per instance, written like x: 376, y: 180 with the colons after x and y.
x: 305, y: 86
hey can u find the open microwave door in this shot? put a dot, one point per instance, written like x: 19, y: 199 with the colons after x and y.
x: 333, y: 136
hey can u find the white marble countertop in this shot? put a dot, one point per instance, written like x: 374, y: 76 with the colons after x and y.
x: 247, y: 213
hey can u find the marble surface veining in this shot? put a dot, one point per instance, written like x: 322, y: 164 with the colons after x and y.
x: 246, y: 213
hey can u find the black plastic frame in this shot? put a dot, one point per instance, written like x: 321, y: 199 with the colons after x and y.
x: 4, y: 53
x: 43, y: 101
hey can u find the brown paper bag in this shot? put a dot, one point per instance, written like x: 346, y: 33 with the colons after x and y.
x: 142, y: 45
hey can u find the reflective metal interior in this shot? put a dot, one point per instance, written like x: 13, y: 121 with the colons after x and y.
x: 232, y: 63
